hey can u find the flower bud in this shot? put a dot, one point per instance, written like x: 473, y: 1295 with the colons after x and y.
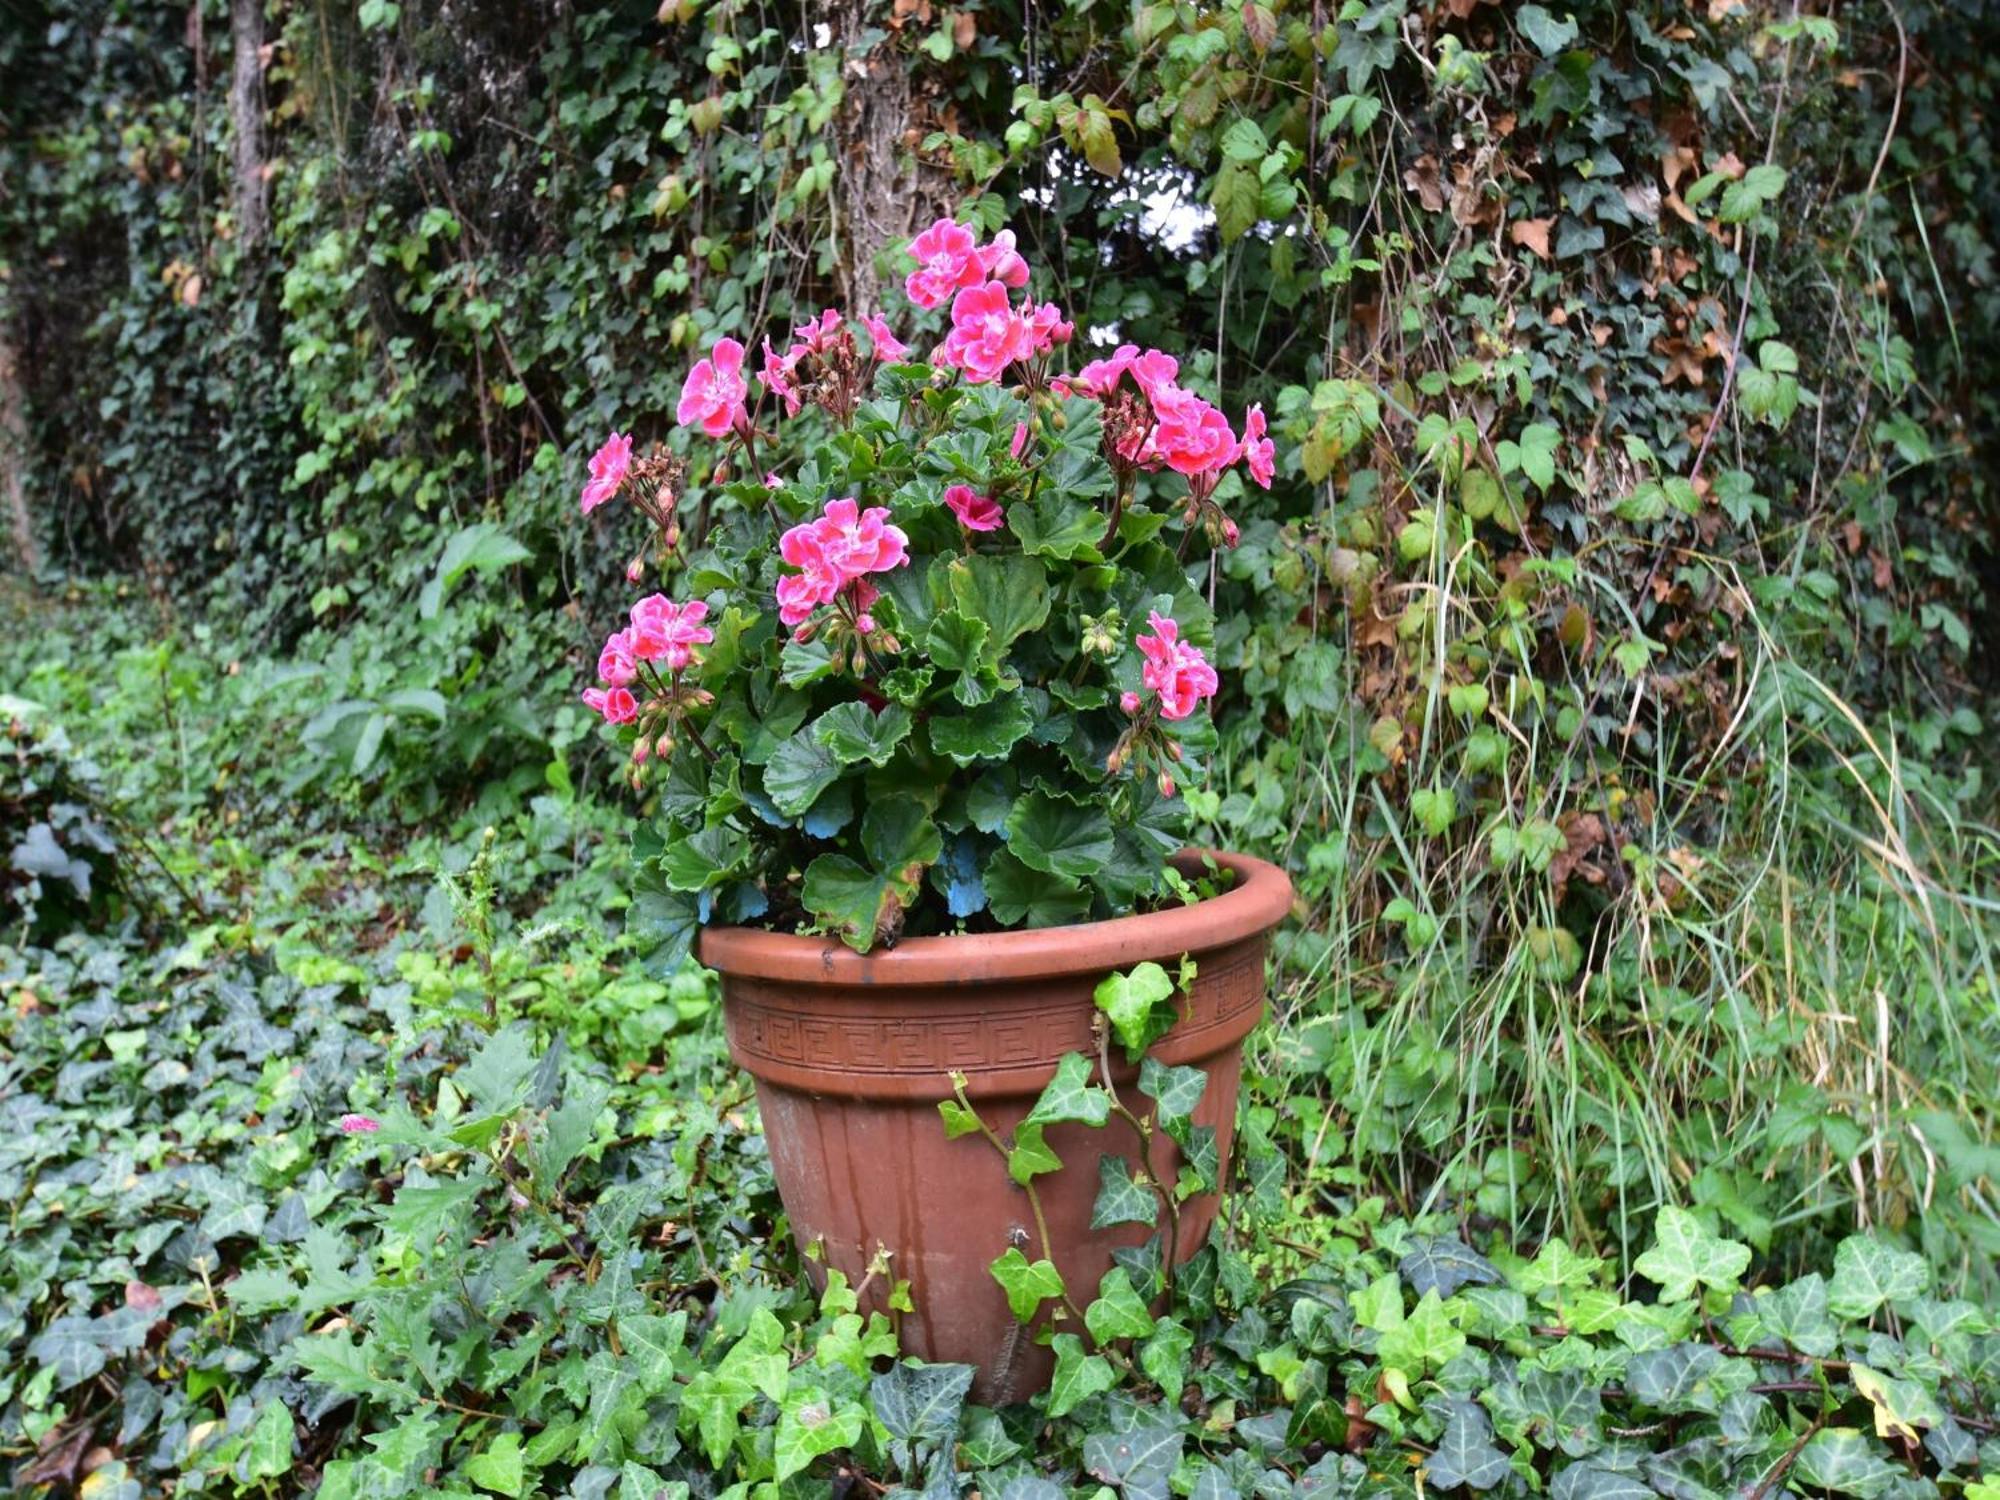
x: 865, y: 623
x: 1115, y: 761
x: 1166, y: 785
x: 635, y: 569
x: 1129, y: 702
x: 639, y: 753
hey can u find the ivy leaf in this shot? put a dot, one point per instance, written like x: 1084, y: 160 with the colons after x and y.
x: 986, y: 733
x: 1798, y: 1314
x: 1685, y: 1255
x: 1071, y: 1096
x: 1674, y: 1379
x: 1868, y: 1273
x: 1120, y: 1200
x: 854, y: 733
x: 1596, y: 1482
x: 1140, y: 1006
x: 1426, y: 1340
x: 920, y: 1403
x: 1031, y: 1155
x: 811, y: 1424
x: 1549, y: 35
x: 1028, y: 1284
x: 1078, y: 1377
x: 1054, y: 835
x: 1466, y: 1455
x: 1842, y: 1459
x: 498, y: 1467
x: 958, y: 1120
x: 1175, y: 1090
x: 267, y: 1448
x: 1139, y: 1460
x: 1164, y: 1356
x: 1118, y: 1312
x: 1563, y: 1409
x: 1444, y: 1265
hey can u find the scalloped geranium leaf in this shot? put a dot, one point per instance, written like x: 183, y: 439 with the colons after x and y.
x: 855, y: 733
x: 1032, y: 898
x: 798, y: 771
x: 1685, y: 1255
x: 986, y: 733
x: 1059, y: 837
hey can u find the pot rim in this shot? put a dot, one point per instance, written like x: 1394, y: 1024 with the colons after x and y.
x: 1255, y: 904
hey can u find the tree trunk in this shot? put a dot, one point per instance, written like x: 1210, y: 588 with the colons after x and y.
x: 882, y: 193
x: 246, y: 115
x: 14, y: 457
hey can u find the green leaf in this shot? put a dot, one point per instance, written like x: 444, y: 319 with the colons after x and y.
x: 854, y: 733
x: 1466, y: 1455
x: 1563, y: 1409
x: 1426, y: 1340
x: 703, y: 859
x: 1019, y: 896
x: 1746, y: 197
x: 1174, y: 1090
x: 1031, y: 1155
x: 1056, y: 526
x: 1078, y: 1377
x: 499, y: 1467
x: 863, y: 905
x: 1070, y: 1095
x: 1443, y: 1265
x: 1868, y: 1273
x: 920, y: 1403
x: 1120, y: 1200
x: 1237, y: 198
x: 988, y: 732
x: 1118, y: 1312
x: 1140, y: 1006
x: 1685, y: 1255
x: 1799, y: 1314
x: 482, y: 548
x: 267, y: 1447
x: 958, y: 1120
x: 812, y: 1423
x: 1164, y: 1356
x: 1057, y: 837
x: 1847, y: 1461
x: 1674, y: 1379
x: 799, y: 770
x: 1548, y: 35
x: 1028, y: 1284
x: 1008, y: 594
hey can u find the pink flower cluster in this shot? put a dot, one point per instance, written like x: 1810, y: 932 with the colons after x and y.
x: 815, y: 336
x: 660, y: 631
x: 712, y: 396
x: 1187, y: 435
x: 835, y: 551
x: 949, y: 259
x: 608, y: 467
x: 1173, y: 669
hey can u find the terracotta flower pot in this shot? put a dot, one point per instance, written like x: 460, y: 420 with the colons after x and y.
x: 852, y: 1053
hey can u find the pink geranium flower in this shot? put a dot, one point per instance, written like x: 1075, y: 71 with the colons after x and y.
x: 888, y: 348
x: 1190, y: 436
x: 616, y: 704
x: 975, y: 512
x: 947, y: 258
x: 1099, y: 376
x: 1047, y: 327
x: 999, y: 261
x: 777, y: 378
x: 618, y: 663
x: 833, y: 551
x: 608, y: 467
x: 359, y: 1125
x: 712, y: 396
x: 1175, y: 670
x: 988, y: 333
x: 665, y: 631
x: 1258, y: 451
x: 814, y: 335
x: 1155, y: 372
